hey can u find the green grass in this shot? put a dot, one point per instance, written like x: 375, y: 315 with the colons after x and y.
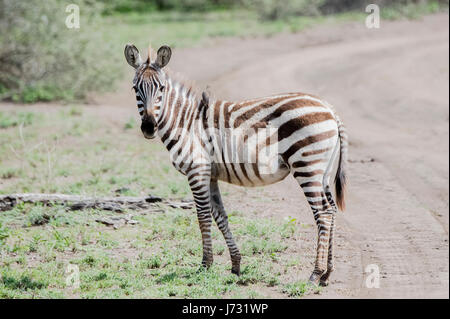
x: 300, y: 288
x: 158, y: 258
x: 69, y: 151
x: 412, y: 10
x: 19, y: 118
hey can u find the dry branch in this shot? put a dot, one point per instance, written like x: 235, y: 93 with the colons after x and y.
x: 75, y: 202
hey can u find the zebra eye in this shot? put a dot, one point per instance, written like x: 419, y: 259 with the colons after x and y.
x: 162, y: 88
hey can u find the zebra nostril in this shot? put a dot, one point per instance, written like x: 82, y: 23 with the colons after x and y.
x: 148, y: 126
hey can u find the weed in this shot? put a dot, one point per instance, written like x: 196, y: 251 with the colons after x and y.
x: 300, y: 288
x: 25, y: 282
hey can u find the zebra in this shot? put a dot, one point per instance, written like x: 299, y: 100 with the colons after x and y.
x: 308, y: 138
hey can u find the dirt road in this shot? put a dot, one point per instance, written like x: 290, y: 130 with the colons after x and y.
x: 390, y: 86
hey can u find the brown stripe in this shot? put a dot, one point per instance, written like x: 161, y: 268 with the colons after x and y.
x: 308, y: 174
x: 256, y: 170
x: 251, y: 102
x: 166, y: 111
x: 244, y: 171
x: 314, y: 194
x: 311, y: 184
x: 321, y: 202
x: 263, y: 104
x: 307, y: 141
x: 296, y: 104
x: 291, y: 126
x: 216, y: 107
x: 304, y: 163
x: 235, y: 173
x: 316, y: 152
x: 226, y: 115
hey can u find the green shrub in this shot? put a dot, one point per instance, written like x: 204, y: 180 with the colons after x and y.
x: 127, y: 6
x: 4, y: 233
x: 300, y: 288
x: 41, y: 59
x: 14, y: 119
x: 281, y: 9
x: 278, y: 9
x: 25, y: 282
x: 37, y: 217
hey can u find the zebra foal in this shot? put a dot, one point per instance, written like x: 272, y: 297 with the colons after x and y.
x: 284, y: 134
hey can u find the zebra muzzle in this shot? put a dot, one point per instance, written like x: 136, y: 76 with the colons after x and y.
x: 148, y: 126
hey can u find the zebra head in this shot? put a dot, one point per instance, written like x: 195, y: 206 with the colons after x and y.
x: 149, y: 83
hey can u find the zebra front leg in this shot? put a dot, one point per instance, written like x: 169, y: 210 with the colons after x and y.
x: 221, y: 218
x: 199, y: 181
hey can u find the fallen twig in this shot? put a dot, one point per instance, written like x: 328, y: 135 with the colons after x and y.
x: 75, y: 202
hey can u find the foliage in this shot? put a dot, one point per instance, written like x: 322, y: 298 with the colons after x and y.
x: 20, y: 118
x: 281, y: 9
x: 266, y: 9
x: 278, y: 9
x: 127, y: 6
x: 42, y: 59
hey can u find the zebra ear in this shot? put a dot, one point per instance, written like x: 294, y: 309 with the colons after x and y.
x: 163, y: 56
x: 132, y: 55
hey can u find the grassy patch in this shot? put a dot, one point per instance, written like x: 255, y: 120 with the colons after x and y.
x: 15, y: 119
x: 159, y: 257
x: 300, y: 288
x: 74, y: 151
x: 412, y: 10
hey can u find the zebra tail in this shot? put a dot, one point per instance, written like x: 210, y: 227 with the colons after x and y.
x: 341, y: 176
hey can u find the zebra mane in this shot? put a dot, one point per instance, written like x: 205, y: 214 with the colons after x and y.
x: 186, y: 84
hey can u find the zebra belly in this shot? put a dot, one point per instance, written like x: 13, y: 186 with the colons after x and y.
x: 251, y: 174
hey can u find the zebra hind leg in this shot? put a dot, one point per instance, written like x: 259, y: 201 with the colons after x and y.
x: 324, y: 280
x: 323, y: 215
x: 221, y: 218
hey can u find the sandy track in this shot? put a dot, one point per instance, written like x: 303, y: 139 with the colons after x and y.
x: 390, y: 86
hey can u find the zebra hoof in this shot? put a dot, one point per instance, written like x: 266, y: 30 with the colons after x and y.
x: 237, y: 272
x: 201, y: 269
x: 324, y: 283
x: 314, y: 279
x: 325, y: 279
x: 206, y: 263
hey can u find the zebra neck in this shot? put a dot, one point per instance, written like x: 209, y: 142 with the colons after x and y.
x: 179, y: 111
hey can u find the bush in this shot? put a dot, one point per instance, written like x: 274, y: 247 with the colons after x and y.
x: 125, y: 6
x: 42, y: 59
x: 278, y: 9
